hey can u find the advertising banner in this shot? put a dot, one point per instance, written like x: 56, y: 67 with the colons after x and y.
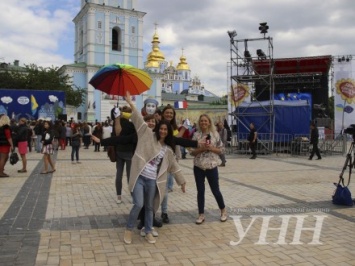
x: 344, y: 95
x: 32, y: 104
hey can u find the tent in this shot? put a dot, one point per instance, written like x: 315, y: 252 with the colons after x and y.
x: 291, y: 117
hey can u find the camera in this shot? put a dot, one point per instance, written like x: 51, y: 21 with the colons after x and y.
x: 350, y: 130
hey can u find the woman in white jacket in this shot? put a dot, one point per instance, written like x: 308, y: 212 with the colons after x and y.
x: 152, y: 161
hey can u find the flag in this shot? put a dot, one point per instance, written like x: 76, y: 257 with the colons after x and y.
x: 180, y: 104
x: 34, y: 105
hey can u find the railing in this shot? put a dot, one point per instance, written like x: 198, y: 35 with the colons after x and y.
x: 294, y: 145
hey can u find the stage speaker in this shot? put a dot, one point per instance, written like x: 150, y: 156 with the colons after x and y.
x: 62, y: 117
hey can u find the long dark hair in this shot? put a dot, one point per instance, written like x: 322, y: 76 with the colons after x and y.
x: 173, y: 121
x: 169, y: 140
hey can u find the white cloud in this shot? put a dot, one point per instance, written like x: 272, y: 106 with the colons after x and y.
x: 42, y: 32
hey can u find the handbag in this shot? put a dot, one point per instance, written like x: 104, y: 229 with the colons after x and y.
x: 342, y: 195
x: 111, y: 153
x: 14, y: 158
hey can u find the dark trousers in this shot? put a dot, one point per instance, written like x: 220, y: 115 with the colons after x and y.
x: 75, y: 150
x: 212, y: 178
x: 86, y: 140
x: 97, y: 146
x: 120, y: 163
x: 315, y: 150
x: 252, y: 146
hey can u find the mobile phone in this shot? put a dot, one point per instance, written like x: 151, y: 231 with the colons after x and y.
x: 208, y: 139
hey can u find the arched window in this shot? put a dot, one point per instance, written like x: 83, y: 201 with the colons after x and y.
x: 116, y: 39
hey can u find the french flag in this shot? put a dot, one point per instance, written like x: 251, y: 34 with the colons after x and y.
x: 180, y: 104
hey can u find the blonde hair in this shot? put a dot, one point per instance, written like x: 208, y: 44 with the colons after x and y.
x: 212, y: 127
x: 4, y: 120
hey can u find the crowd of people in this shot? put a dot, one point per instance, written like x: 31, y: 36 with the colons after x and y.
x: 147, y: 143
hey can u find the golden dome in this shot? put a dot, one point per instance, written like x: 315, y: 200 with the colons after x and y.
x: 183, y: 65
x: 155, y: 55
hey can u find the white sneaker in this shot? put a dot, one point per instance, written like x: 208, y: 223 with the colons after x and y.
x: 118, y: 201
x: 73, y: 162
x: 154, y: 232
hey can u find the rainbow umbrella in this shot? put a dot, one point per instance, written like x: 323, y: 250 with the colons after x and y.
x: 117, y: 79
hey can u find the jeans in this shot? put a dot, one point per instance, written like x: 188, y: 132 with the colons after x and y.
x: 170, y: 182
x: 38, y: 143
x: 212, y: 178
x: 75, y: 150
x: 169, y: 185
x: 143, y: 194
x: 122, y: 158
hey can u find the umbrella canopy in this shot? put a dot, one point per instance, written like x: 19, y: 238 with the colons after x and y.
x: 117, y: 79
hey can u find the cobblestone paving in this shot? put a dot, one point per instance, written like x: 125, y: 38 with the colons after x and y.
x: 71, y: 217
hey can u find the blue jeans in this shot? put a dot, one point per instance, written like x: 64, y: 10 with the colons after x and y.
x: 169, y: 185
x: 38, y: 143
x: 170, y: 182
x: 143, y: 194
x: 212, y: 178
x: 75, y: 151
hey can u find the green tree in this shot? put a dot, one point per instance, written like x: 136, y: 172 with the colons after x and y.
x: 32, y: 77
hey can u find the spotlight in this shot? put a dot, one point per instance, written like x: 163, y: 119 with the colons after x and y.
x: 261, y: 54
x: 343, y: 58
x: 247, y: 55
x: 232, y: 34
x: 263, y: 28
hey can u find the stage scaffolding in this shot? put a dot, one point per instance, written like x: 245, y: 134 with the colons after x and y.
x: 243, y: 75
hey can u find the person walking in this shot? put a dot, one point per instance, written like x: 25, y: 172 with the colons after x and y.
x: 22, y: 143
x: 97, y: 132
x: 6, y: 143
x: 38, y: 130
x: 68, y: 134
x: 223, y: 136
x: 314, y: 142
x: 47, y: 147
x: 205, y: 166
x: 253, y: 140
x: 76, y: 141
x: 153, y: 159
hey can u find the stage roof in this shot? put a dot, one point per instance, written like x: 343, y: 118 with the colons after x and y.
x: 296, y: 65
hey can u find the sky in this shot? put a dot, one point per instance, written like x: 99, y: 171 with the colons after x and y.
x: 42, y: 31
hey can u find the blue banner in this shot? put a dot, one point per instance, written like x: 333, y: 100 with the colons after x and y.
x: 32, y: 104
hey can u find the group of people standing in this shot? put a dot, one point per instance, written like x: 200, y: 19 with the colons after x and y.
x: 151, y: 162
x: 19, y: 135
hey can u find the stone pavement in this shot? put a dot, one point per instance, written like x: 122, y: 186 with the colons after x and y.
x: 71, y: 217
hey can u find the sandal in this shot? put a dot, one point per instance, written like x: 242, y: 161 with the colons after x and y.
x: 22, y: 171
x: 44, y: 173
x: 51, y: 171
x: 4, y: 175
x: 200, y: 219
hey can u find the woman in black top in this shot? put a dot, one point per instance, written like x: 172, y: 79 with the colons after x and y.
x: 47, y: 147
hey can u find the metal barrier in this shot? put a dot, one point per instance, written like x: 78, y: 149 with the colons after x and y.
x: 297, y: 145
